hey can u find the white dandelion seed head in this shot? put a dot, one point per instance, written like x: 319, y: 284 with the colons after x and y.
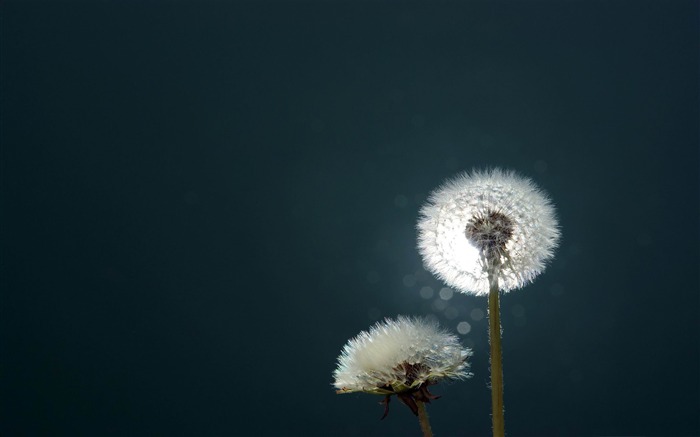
x: 492, y: 211
x: 400, y: 355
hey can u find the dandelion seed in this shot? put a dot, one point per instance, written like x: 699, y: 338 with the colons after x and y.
x: 401, y: 357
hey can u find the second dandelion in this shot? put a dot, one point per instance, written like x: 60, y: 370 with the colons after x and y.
x: 401, y: 357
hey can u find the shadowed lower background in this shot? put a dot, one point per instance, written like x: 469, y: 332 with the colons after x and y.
x: 201, y: 202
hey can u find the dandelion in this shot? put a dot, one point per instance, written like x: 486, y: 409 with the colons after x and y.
x: 484, y: 231
x: 483, y: 217
x: 401, y: 357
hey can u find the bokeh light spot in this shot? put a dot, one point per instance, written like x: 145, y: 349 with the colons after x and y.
x: 451, y: 313
x: 446, y: 293
x: 427, y: 292
x: 476, y: 314
x: 439, y: 305
x: 464, y: 328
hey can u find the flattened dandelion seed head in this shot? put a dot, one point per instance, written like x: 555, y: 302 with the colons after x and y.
x: 400, y: 356
x: 484, y: 217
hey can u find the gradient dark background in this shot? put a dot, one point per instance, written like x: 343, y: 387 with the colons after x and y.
x: 201, y: 202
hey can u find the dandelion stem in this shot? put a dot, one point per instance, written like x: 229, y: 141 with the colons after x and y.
x: 423, y: 419
x: 496, y: 364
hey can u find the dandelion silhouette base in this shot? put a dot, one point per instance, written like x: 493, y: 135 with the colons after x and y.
x: 407, y: 392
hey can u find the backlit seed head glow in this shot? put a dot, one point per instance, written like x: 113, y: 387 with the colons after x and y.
x: 487, y: 215
x: 400, y: 356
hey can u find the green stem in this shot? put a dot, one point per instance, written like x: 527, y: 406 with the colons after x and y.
x: 423, y: 419
x: 496, y: 364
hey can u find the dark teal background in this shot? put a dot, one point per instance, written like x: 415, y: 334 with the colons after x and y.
x: 201, y: 202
